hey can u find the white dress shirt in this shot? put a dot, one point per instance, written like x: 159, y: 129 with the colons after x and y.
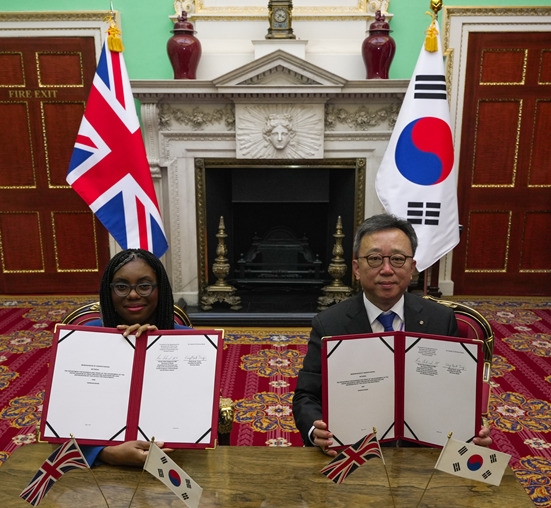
x: 373, y: 313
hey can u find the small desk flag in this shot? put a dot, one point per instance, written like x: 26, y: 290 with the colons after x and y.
x: 109, y: 167
x: 68, y: 456
x: 473, y: 462
x: 417, y: 179
x: 352, y: 457
x: 162, y: 467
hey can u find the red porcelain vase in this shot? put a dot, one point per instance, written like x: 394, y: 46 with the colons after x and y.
x: 378, y: 49
x: 184, y: 49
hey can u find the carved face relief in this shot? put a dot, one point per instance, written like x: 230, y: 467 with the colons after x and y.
x: 280, y: 137
x: 279, y: 132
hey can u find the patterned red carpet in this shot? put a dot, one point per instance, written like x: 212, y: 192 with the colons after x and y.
x: 259, y: 374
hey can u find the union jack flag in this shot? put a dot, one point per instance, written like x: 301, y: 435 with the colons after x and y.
x: 68, y: 456
x: 109, y: 167
x: 352, y: 457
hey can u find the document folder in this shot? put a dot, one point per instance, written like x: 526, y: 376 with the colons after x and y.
x: 409, y: 386
x: 104, y: 388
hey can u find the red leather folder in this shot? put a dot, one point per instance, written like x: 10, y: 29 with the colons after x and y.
x: 104, y: 388
x: 408, y: 386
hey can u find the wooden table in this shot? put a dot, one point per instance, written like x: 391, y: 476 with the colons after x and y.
x: 263, y: 477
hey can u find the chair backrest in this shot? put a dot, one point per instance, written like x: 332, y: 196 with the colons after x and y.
x: 91, y: 311
x: 473, y: 325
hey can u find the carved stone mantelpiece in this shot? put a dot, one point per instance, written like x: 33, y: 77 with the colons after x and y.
x: 277, y: 107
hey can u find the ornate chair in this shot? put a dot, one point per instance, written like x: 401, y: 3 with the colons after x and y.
x: 91, y: 311
x: 86, y: 313
x: 474, y: 325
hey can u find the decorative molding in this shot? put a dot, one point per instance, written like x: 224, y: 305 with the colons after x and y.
x: 278, y: 72
x: 313, y: 10
x: 201, y: 220
x: 196, y: 117
x: 212, y: 9
x: 362, y: 118
x: 359, y: 202
x: 57, y: 24
x: 283, y: 74
x: 175, y: 217
x: 149, y: 116
x: 27, y: 17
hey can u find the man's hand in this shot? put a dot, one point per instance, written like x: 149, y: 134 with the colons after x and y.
x: 130, y: 453
x: 323, y: 438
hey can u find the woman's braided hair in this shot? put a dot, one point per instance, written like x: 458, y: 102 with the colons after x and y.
x: 164, y: 315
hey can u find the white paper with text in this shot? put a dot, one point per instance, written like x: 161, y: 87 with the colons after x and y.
x: 440, y: 389
x: 182, y: 371
x: 83, y: 375
x: 360, y: 383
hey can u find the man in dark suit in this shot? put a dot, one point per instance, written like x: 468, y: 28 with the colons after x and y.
x: 384, y: 250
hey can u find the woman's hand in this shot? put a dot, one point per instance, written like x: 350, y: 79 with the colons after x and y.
x: 130, y: 453
x: 483, y: 438
x: 136, y: 329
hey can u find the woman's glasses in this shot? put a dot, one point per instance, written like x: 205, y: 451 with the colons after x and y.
x: 143, y: 288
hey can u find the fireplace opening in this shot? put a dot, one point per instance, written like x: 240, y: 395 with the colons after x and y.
x: 280, y: 220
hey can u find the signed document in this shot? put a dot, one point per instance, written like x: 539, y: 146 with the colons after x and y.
x: 408, y: 386
x: 104, y: 388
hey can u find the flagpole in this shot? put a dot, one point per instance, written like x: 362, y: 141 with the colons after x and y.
x: 389, y: 486
x: 433, y: 471
x: 91, y: 471
x: 431, y: 44
x: 98, y: 485
x: 140, y: 478
x: 425, y: 490
x: 137, y: 487
x: 386, y: 470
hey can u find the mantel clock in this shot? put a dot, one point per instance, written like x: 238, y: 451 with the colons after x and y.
x: 280, y: 16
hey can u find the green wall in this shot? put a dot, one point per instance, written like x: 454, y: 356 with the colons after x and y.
x: 146, y: 28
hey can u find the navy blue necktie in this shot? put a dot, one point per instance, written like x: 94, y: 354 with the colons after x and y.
x: 386, y: 320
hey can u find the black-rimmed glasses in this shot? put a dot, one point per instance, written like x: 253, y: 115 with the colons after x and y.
x: 143, y: 288
x: 376, y: 260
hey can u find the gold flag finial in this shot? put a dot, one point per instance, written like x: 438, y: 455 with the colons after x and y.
x: 114, y: 41
x: 431, y: 39
x: 435, y: 6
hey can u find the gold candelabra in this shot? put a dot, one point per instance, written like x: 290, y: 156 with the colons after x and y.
x: 337, y: 290
x: 221, y: 291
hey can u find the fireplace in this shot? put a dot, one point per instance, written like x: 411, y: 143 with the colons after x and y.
x: 280, y: 218
x: 200, y: 131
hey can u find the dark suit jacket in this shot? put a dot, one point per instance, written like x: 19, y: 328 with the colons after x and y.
x: 350, y: 317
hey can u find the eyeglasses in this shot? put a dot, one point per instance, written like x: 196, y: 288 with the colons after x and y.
x: 143, y: 288
x: 376, y: 260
